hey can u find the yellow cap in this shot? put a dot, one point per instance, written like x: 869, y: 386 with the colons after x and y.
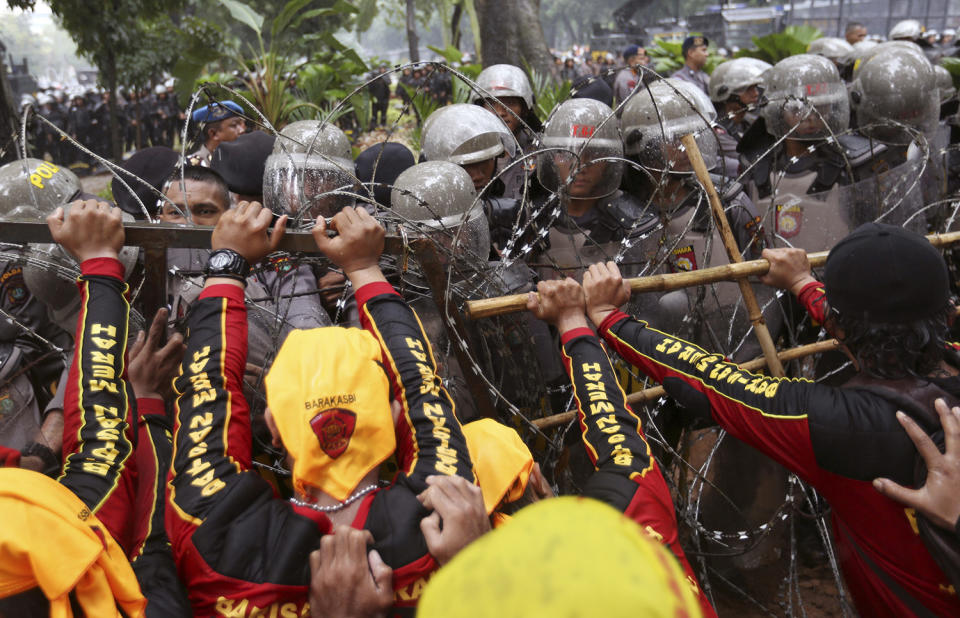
x: 330, y: 398
x: 501, y: 460
x: 50, y: 540
x: 562, y: 557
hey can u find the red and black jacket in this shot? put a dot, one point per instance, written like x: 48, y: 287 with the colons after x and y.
x: 115, y: 449
x: 626, y: 475
x: 837, y: 440
x: 241, y: 550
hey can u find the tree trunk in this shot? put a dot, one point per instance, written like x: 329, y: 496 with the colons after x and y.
x: 455, y: 34
x: 413, y: 41
x: 110, y: 76
x: 511, y: 33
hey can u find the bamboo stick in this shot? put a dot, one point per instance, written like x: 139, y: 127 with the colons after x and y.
x: 733, y: 252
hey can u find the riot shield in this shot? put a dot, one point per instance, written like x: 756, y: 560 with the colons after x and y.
x: 816, y: 222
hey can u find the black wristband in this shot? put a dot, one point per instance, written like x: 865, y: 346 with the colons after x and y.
x: 44, y: 452
x: 227, y: 263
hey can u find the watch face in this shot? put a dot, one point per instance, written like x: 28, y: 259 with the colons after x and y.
x: 219, y: 260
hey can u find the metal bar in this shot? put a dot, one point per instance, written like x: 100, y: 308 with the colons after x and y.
x: 171, y: 236
x: 153, y: 294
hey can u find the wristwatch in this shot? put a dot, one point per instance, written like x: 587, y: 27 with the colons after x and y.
x: 227, y: 263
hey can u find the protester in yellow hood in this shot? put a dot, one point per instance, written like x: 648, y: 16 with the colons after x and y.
x: 535, y: 567
x: 56, y: 558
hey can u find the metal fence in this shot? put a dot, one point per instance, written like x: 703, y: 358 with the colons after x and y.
x: 832, y: 16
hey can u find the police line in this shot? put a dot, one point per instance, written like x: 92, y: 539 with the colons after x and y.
x: 502, y: 305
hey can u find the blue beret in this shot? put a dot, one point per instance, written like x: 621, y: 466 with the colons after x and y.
x: 215, y: 112
x: 631, y: 50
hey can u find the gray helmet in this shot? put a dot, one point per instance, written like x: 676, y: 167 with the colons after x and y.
x: 897, y: 87
x: 907, y: 30
x: 654, y: 120
x: 310, y: 172
x: 465, y: 134
x: 805, y: 99
x: 831, y: 48
x: 39, y: 183
x: 50, y: 273
x: 945, y: 83
x: 858, y: 50
x: 735, y: 76
x: 579, y: 132
x: 503, y: 80
x: 437, y: 198
x: 897, y: 47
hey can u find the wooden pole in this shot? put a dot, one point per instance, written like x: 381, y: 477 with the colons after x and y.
x: 502, y: 305
x: 656, y: 392
x: 733, y: 252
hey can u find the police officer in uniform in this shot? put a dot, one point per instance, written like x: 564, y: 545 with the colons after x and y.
x: 653, y: 122
x: 216, y: 123
x: 796, y: 182
x: 735, y: 89
x: 582, y: 163
x: 505, y: 90
x: 694, y: 50
x: 477, y: 140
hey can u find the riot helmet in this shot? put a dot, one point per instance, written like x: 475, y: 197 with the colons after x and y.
x: 437, y: 199
x: 579, y: 140
x: 831, y: 48
x: 465, y: 134
x: 310, y: 172
x: 897, y: 47
x: 806, y: 99
x: 859, y: 50
x: 38, y: 183
x: 654, y: 120
x: 945, y: 83
x: 733, y: 77
x: 893, y: 89
x: 501, y: 81
x: 906, y: 30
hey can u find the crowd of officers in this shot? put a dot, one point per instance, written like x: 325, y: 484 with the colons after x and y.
x: 228, y: 460
x: 146, y: 118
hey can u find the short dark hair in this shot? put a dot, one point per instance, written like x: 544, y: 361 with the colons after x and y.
x: 894, y: 351
x: 853, y: 25
x: 198, y: 173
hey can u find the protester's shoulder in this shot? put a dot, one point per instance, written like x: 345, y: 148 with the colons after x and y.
x: 394, y: 520
x: 252, y: 535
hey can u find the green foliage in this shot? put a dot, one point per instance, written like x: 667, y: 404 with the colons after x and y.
x: 267, y: 63
x: 775, y: 47
x: 547, y: 92
x: 667, y: 57
x: 953, y: 66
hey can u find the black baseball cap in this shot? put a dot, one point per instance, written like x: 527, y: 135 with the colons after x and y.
x: 693, y: 41
x: 885, y: 273
x: 242, y: 162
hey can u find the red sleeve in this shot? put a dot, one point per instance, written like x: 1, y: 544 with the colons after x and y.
x: 99, y: 433
x: 9, y: 458
x: 626, y: 475
x: 770, y: 414
x: 813, y: 297
x: 212, y: 441
x: 429, y: 437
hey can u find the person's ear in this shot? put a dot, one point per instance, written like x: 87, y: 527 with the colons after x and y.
x: 272, y: 426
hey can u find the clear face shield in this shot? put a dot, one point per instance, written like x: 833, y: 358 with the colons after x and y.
x: 813, y: 111
x: 658, y: 147
x: 581, y: 168
x: 307, y: 186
